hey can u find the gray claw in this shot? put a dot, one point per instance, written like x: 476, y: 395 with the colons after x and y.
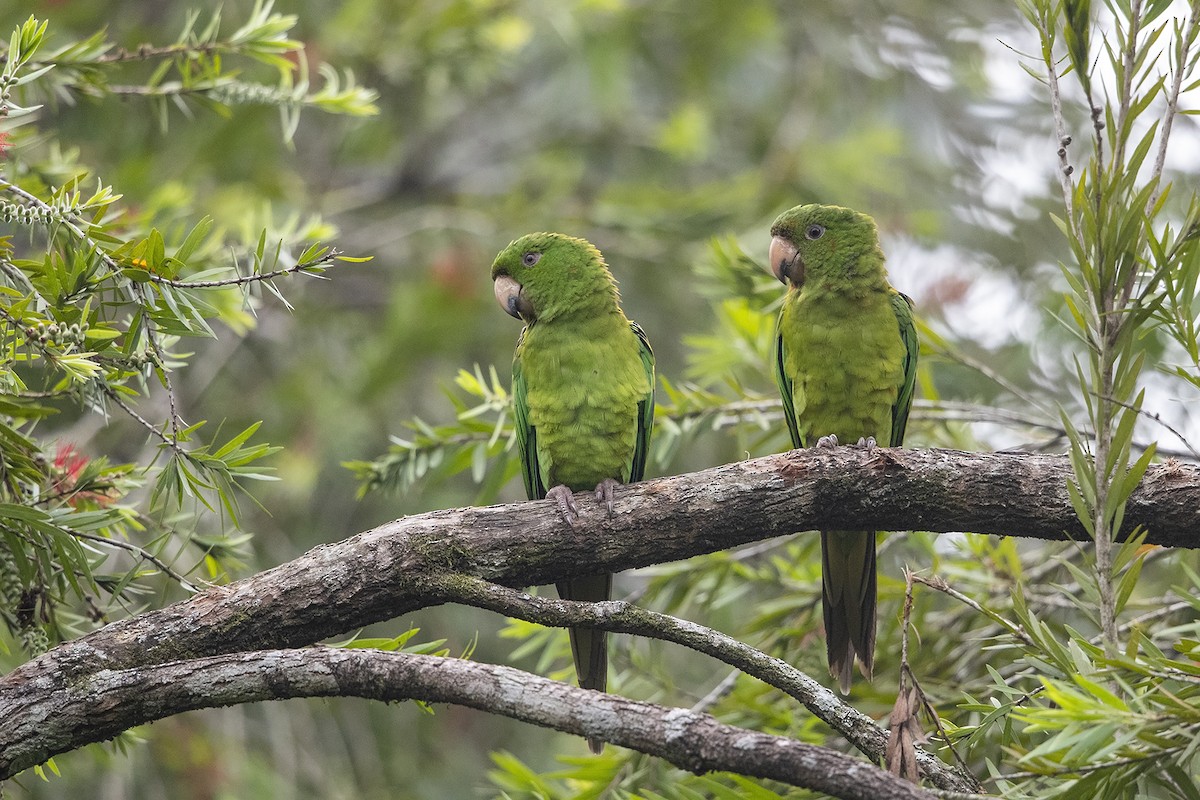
x: 604, y: 493
x: 565, y: 500
x: 867, y: 442
x: 827, y: 441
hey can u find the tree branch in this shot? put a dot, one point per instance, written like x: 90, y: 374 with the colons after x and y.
x: 620, y: 617
x: 387, y: 571
x: 111, y: 701
x: 301, y: 267
x: 410, y: 563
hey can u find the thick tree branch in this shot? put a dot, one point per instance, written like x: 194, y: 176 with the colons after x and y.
x: 404, y: 565
x: 384, y: 572
x: 110, y: 701
x: 387, y: 571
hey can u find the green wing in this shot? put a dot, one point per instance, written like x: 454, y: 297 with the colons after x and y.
x: 645, y: 408
x: 903, y: 306
x: 535, y: 488
x: 785, y: 388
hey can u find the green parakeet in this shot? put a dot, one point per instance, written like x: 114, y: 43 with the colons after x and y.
x: 845, y: 361
x: 583, y: 394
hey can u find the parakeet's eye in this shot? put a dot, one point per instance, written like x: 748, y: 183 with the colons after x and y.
x: 531, y: 258
x: 814, y: 232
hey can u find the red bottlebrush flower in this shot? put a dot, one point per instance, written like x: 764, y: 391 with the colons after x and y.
x: 68, y: 466
x: 69, y: 463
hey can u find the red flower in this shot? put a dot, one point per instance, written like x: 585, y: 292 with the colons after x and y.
x: 68, y: 465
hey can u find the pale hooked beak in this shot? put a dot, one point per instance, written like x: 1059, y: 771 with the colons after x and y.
x: 511, y: 298
x: 785, y: 262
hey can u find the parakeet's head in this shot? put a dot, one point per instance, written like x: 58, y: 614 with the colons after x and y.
x: 823, y: 241
x: 543, y: 275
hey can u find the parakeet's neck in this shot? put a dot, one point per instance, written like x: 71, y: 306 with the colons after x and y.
x: 598, y: 320
x: 585, y: 303
x: 861, y: 276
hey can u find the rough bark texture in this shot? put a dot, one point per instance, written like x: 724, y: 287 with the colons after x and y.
x: 384, y: 572
x: 402, y: 565
x: 620, y: 617
x: 109, y: 701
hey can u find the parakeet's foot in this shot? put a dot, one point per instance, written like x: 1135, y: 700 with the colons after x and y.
x: 827, y: 441
x: 867, y: 442
x: 565, y: 501
x: 604, y: 493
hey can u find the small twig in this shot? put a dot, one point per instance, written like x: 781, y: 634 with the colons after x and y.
x: 16, y: 323
x: 954, y: 411
x: 1177, y: 675
x: 35, y: 395
x: 755, y: 550
x: 1065, y: 169
x: 718, y: 692
x: 735, y: 409
x: 1187, y: 38
x: 1153, y: 417
x: 138, y: 551
x: 173, y: 443
x: 945, y: 588
x: 17, y: 276
x: 173, y: 89
x: 63, y: 219
x: 48, y: 353
x: 994, y: 376
x: 1128, y: 63
x: 1058, y: 600
x: 146, y: 51
x: 1086, y: 768
x: 160, y: 359
x: 904, y: 727
x: 240, y: 280
x: 907, y: 674
x: 1150, y: 616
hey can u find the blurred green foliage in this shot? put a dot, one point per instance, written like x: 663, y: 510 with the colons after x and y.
x: 97, y: 303
x: 669, y: 134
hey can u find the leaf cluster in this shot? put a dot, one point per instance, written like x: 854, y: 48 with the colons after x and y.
x: 96, y: 305
x: 204, y: 68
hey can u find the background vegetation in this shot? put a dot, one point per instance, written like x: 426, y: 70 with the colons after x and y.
x: 669, y: 134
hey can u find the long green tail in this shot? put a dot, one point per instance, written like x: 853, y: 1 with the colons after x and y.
x: 589, y: 647
x: 848, y: 600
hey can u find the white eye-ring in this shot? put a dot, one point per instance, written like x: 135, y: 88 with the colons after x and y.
x: 531, y: 258
x: 814, y: 232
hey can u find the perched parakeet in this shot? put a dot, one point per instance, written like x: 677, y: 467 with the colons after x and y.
x: 583, y: 394
x: 845, y: 361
